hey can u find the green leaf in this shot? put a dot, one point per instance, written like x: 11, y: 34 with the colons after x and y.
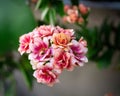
x: 38, y: 4
x: 59, y: 7
x: 92, y: 53
x: 52, y: 16
x: 78, y: 34
x: 44, y: 12
x: 27, y: 78
x: 27, y: 71
x: 105, y: 30
x: 16, y: 19
x: 105, y: 60
x: 43, y: 3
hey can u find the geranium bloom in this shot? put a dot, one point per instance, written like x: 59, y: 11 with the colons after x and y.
x: 66, y: 8
x: 62, y: 59
x: 44, y: 31
x: 82, y: 41
x: 46, y: 76
x: 79, y: 51
x: 72, y: 14
x: 61, y: 39
x: 40, y: 51
x: 51, y: 50
x: 76, y: 14
x: 83, y: 9
x: 25, y: 40
x: 69, y: 32
x: 39, y: 65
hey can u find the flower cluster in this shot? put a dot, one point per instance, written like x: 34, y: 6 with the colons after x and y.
x: 51, y: 50
x: 75, y: 14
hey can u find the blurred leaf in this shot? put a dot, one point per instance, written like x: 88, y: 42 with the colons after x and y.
x: 44, y: 12
x: 9, y: 61
x: 94, y: 43
x: 10, y: 86
x: 27, y: 71
x: 49, y: 8
x: 16, y: 19
x: 106, y: 31
x: 43, y: 3
x: 93, y: 35
x: 59, y: 7
x: 52, y: 16
x: 38, y: 4
x: 105, y: 60
x: 78, y: 34
x: 92, y: 53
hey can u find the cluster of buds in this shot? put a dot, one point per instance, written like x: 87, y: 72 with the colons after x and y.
x: 75, y: 14
x: 51, y: 50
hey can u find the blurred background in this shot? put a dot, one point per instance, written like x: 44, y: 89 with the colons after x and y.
x: 100, y: 26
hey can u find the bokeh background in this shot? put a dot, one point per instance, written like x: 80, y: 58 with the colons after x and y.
x: 98, y: 77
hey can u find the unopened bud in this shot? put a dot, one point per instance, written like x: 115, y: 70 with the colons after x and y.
x: 83, y: 9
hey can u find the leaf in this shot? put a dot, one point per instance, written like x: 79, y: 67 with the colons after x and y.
x: 78, y: 34
x: 92, y: 53
x: 16, y: 19
x: 59, y: 7
x: 44, y: 12
x: 38, y: 4
x: 52, y: 16
x: 27, y: 78
x: 27, y: 72
x: 105, y: 60
x: 106, y: 31
x: 43, y: 3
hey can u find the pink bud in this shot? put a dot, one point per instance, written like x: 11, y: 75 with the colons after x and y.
x: 83, y: 9
x: 66, y: 8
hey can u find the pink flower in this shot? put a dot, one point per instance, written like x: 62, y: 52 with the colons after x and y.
x: 70, y: 19
x: 61, y: 39
x: 82, y: 41
x: 51, y: 50
x: 46, y: 76
x: 78, y: 53
x: 25, y: 40
x: 40, y: 51
x: 72, y: 14
x: 62, y: 60
x: 43, y: 31
x: 66, y: 8
x: 69, y: 32
x: 41, y: 64
x: 73, y: 11
x: 83, y: 9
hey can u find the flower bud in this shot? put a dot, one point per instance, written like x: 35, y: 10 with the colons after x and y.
x: 83, y: 9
